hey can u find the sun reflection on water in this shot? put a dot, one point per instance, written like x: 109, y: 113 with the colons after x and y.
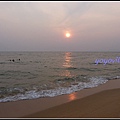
x: 67, y: 64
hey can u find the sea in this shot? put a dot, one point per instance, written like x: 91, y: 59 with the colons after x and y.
x: 32, y: 75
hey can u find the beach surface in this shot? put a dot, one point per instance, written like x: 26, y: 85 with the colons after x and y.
x: 98, y: 102
x: 105, y: 104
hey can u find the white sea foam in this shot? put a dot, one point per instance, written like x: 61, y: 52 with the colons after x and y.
x: 33, y: 94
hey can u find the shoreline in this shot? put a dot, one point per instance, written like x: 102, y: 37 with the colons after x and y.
x: 27, y: 107
x: 104, y: 104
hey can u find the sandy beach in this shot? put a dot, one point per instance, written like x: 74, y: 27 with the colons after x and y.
x: 98, y: 102
x: 105, y: 104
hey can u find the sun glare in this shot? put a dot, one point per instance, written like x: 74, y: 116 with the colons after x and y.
x: 68, y: 35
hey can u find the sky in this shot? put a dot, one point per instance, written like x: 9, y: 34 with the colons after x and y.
x: 42, y: 26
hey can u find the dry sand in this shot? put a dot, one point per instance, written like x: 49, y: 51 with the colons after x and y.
x: 102, y: 101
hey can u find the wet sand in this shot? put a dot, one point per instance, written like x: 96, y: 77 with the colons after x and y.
x: 93, y: 102
x: 105, y: 104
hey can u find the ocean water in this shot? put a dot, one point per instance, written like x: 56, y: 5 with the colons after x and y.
x: 31, y: 75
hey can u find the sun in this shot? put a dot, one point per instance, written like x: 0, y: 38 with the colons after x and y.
x: 67, y: 35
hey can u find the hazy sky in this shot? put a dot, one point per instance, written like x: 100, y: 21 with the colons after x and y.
x: 41, y: 26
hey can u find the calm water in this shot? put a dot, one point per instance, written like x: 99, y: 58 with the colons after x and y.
x: 30, y: 75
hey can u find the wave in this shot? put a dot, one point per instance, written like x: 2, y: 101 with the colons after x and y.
x: 36, y: 93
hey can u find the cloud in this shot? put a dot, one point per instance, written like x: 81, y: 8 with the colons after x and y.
x: 38, y: 23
